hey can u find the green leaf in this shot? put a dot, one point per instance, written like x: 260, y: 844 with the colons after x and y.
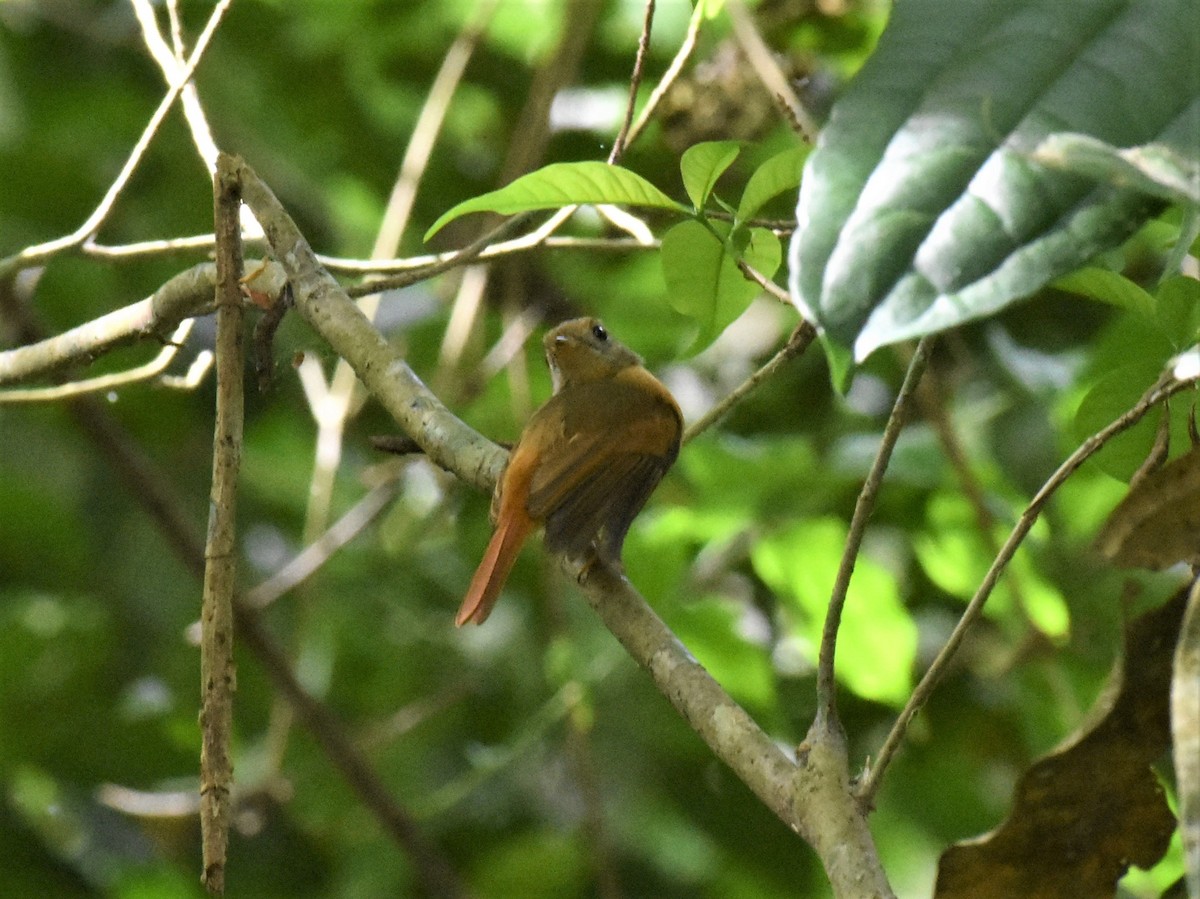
x: 703, y: 279
x: 923, y: 208
x: 877, y: 642
x: 703, y: 164
x: 778, y: 174
x: 1109, y: 287
x: 1178, y: 310
x: 564, y: 184
x: 1155, y: 169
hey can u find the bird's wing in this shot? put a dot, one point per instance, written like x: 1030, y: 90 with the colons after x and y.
x: 608, y: 446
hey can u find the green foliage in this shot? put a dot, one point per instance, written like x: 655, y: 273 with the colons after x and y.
x: 563, y: 184
x: 704, y: 282
x: 700, y: 256
x: 928, y: 203
x: 533, y: 754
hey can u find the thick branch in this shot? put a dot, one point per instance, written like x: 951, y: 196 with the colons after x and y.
x: 711, y: 712
x: 445, y: 439
x: 812, y: 797
x: 185, y: 295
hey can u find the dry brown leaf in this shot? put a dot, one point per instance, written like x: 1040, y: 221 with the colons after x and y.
x: 1158, y: 522
x: 1084, y: 813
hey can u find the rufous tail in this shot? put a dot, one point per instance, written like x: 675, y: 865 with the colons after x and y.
x: 493, y: 571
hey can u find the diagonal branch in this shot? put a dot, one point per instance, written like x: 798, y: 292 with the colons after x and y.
x: 814, y: 799
x: 39, y: 253
x: 445, y: 439
x: 1165, y: 388
x: 826, y: 686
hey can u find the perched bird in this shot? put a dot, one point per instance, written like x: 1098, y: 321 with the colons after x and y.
x: 586, y: 462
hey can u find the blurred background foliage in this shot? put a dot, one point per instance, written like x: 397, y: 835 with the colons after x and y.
x: 532, y: 750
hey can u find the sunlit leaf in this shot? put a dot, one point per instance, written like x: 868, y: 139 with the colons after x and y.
x: 1110, y: 287
x: 701, y: 166
x: 877, y: 641
x: 704, y: 282
x: 778, y: 174
x: 564, y: 184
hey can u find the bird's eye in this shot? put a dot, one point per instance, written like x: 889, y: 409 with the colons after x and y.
x: 599, y: 333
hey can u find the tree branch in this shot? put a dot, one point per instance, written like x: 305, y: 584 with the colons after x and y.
x: 724, y: 725
x: 446, y: 440
x: 1167, y: 386
x: 217, y: 672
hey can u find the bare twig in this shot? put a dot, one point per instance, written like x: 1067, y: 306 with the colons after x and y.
x: 769, y: 287
x: 170, y: 62
x: 217, y: 674
x: 723, y: 724
x: 797, y: 343
x: 871, y: 781
x: 317, y: 553
x: 448, y: 442
x: 151, y: 369
x: 39, y: 253
x: 635, y: 80
x: 187, y: 294
x: 337, y: 403
x: 826, y: 685
x: 671, y: 75
x: 147, y: 485
x: 163, y: 247
x: 763, y: 61
x: 812, y: 796
x: 446, y: 261
x: 426, y: 130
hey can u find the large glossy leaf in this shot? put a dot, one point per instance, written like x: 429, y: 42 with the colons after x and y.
x: 922, y: 206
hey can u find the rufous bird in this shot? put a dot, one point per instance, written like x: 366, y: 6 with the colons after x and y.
x: 586, y: 462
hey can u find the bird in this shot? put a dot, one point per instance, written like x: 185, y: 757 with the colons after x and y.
x: 585, y: 463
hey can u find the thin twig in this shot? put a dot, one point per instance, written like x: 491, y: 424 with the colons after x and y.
x: 766, y: 67
x: 39, y: 253
x: 769, y: 287
x: 872, y: 779
x: 797, y: 343
x: 931, y: 400
x: 161, y: 247
x: 217, y: 674
x: 826, y: 684
x: 171, y: 61
x: 444, y: 262
x: 671, y: 75
x: 426, y: 130
x: 148, y: 486
x: 317, y: 553
x: 639, y: 62
x: 344, y: 394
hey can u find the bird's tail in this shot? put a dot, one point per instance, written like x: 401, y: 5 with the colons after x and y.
x: 493, y: 570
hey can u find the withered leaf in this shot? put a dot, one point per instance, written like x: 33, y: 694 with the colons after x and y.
x: 1157, y: 524
x: 1084, y: 813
